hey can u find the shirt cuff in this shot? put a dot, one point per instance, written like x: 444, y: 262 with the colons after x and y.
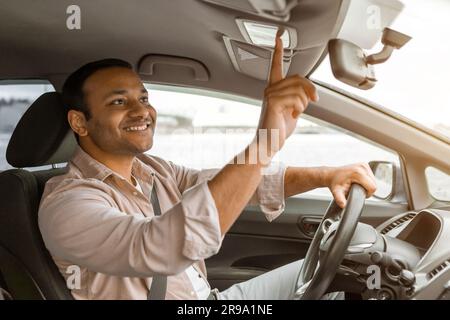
x: 270, y: 191
x: 202, y: 228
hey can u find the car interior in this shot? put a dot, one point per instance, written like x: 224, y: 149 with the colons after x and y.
x: 222, y: 48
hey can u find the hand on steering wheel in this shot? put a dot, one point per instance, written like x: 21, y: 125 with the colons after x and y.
x: 329, y: 245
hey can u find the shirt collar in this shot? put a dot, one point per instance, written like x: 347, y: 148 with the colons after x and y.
x: 92, y: 168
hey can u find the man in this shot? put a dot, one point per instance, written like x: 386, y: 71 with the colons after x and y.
x: 98, y: 216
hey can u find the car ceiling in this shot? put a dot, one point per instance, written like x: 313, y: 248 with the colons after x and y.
x: 35, y: 42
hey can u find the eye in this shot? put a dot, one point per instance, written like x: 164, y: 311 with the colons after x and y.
x: 144, y: 100
x: 118, y: 102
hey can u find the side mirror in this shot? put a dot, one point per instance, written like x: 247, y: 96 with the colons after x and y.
x: 389, y: 179
x: 350, y: 64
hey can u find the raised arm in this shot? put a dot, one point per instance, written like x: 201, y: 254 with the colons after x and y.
x: 284, y: 101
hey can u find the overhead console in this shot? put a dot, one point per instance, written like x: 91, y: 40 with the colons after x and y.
x: 253, y: 56
x: 258, y: 21
x: 350, y: 63
x: 252, y: 60
x: 272, y: 9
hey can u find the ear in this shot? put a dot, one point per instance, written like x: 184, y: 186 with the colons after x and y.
x: 77, y: 122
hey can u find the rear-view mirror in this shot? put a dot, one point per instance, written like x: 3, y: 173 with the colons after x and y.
x: 352, y: 66
x: 348, y: 63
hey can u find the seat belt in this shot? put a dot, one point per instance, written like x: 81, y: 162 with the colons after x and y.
x: 159, y: 283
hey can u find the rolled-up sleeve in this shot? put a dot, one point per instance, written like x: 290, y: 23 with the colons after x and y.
x: 203, y: 236
x: 270, y: 192
x: 269, y: 195
x: 84, y: 227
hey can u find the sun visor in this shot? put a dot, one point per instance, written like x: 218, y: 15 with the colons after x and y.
x: 252, y: 60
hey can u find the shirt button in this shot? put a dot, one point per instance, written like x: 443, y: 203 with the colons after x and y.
x: 135, y: 193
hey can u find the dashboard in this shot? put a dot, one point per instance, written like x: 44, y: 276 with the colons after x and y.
x: 412, y: 255
x: 428, y: 231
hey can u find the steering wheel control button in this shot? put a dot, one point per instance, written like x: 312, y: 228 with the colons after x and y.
x: 407, y: 278
x: 326, y: 225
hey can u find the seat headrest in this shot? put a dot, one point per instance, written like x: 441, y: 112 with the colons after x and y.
x: 43, y: 135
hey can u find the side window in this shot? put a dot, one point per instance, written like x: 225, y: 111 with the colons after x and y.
x: 15, y: 98
x: 198, y: 129
x: 317, y: 143
x: 205, y: 130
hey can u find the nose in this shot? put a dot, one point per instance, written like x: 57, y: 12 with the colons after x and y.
x: 140, y: 110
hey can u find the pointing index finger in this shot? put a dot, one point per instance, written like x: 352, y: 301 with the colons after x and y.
x: 276, y: 69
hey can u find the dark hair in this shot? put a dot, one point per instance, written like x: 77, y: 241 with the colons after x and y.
x: 72, y: 92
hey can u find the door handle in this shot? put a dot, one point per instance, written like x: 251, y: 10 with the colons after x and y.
x: 309, y: 225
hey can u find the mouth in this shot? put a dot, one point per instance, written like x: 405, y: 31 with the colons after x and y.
x: 138, y: 127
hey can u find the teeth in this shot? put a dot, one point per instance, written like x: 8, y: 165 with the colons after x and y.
x: 140, y: 128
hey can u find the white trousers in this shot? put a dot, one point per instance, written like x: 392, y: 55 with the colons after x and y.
x: 278, y: 284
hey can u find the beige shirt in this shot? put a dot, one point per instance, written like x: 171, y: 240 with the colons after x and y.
x: 94, y: 221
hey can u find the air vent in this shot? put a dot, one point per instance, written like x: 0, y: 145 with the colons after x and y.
x: 397, y: 223
x: 433, y: 273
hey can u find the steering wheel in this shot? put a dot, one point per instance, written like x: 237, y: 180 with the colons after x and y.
x: 329, y: 245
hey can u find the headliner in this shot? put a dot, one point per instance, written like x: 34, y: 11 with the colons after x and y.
x: 35, y: 42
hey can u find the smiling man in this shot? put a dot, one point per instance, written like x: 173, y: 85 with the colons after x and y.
x: 99, y: 216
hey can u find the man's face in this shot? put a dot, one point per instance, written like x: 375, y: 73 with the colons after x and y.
x: 122, y: 120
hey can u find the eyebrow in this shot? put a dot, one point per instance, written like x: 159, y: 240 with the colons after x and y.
x: 121, y: 91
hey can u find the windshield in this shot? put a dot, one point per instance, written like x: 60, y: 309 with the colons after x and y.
x: 414, y: 82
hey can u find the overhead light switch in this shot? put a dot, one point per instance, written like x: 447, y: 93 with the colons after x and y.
x: 251, y: 60
x: 263, y: 33
x: 245, y: 55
